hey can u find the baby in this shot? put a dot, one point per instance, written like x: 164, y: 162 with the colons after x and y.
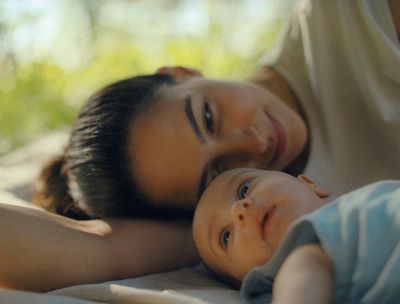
x: 275, y: 234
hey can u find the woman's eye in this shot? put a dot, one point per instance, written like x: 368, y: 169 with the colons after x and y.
x: 225, y: 238
x: 208, y: 118
x: 243, y: 189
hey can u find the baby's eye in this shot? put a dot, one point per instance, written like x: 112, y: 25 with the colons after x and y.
x: 225, y: 235
x: 208, y: 118
x: 243, y: 188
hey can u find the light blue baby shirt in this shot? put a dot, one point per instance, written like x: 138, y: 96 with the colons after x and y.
x: 360, y: 232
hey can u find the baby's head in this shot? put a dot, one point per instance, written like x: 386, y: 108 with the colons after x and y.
x: 243, y: 215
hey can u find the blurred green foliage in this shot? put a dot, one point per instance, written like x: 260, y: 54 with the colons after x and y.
x: 42, y: 93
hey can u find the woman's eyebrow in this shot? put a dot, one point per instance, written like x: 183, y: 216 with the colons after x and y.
x: 195, y: 127
x: 192, y: 119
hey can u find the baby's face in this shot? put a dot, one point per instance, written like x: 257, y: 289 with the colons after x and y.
x: 243, y: 215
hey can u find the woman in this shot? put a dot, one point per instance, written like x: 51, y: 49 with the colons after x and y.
x: 327, y: 101
x: 328, y: 105
x: 149, y: 145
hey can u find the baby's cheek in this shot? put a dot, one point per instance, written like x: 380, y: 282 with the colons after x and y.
x: 260, y: 255
x: 277, y: 237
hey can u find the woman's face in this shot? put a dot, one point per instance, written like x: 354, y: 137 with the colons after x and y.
x: 203, y: 127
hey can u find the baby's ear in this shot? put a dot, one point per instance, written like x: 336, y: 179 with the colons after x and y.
x: 321, y: 192
x: 180, y: 73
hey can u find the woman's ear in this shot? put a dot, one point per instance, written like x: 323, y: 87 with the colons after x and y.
x: 321, y: 192
x: 179, y: 73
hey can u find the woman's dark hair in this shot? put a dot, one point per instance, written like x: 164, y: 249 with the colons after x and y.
x: 94, y: 178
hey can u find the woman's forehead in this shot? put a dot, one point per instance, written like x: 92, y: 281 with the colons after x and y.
x: 167, y: 159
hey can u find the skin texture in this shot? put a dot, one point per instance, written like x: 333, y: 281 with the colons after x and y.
x: 238, y: 124
x: 242, y: 217
x: 305, y: 277
x: 64, y: 252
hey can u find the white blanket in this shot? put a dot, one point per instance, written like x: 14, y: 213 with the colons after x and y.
x: 190, y: 285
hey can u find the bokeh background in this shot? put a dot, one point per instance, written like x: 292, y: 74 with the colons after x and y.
x: 55, y: 53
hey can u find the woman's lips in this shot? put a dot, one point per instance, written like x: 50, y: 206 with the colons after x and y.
x: 280, y: 138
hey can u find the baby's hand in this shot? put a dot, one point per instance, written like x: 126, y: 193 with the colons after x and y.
x: 179, y: 73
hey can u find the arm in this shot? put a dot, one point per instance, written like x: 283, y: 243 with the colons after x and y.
x: 42, y: 251
x: 306, y: 276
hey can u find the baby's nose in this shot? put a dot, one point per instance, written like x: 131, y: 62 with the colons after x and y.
x: 240, y: 210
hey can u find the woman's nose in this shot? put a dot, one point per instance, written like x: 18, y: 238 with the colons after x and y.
x: 245, y: 143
